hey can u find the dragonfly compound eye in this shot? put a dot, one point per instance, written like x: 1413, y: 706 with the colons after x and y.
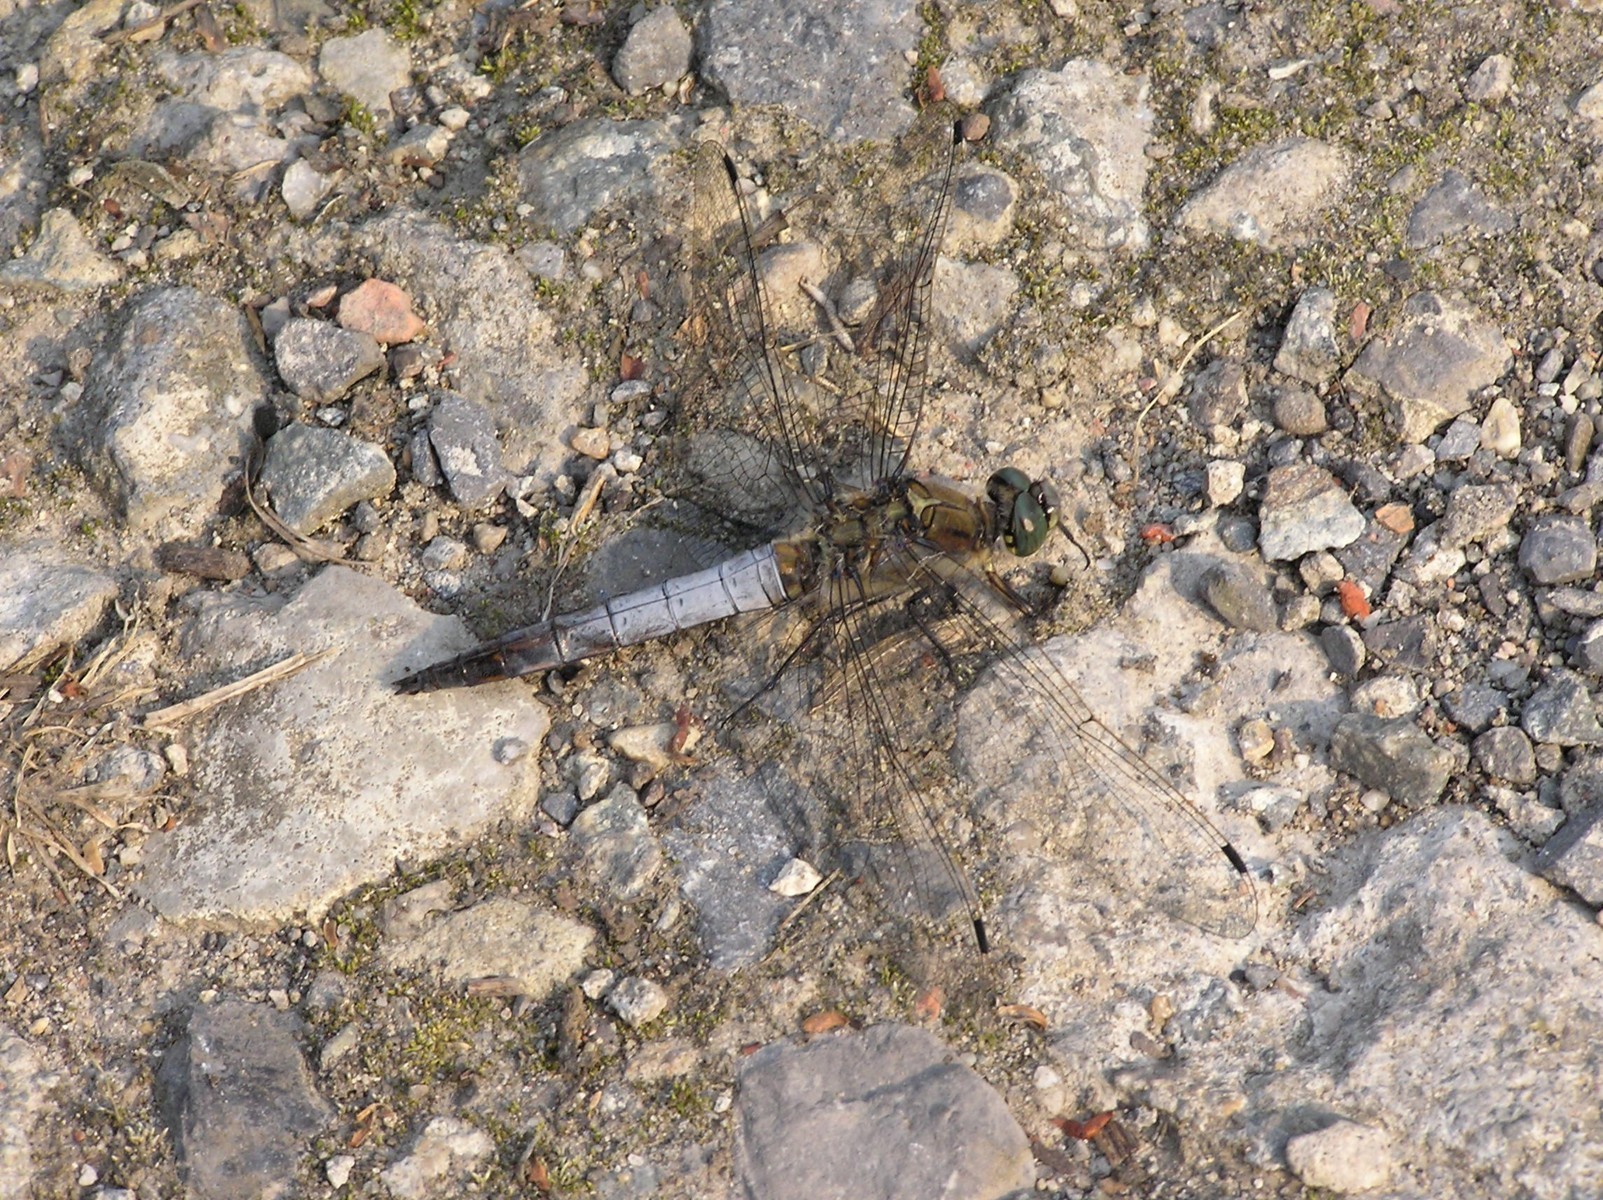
x: 1027, y: 511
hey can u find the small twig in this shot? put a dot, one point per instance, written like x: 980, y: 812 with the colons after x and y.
x: 304, y: 547
x: 836, y: 326
x: 282, y: 669
x: 111, y: 653
x: 167, y: 14
x: 582, y: 508
x: 1171, y: 386
x: 807, y: 901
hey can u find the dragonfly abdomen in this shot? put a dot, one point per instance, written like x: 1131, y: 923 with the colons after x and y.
x: 748, y: 582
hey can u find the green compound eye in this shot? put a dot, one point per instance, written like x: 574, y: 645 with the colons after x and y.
x: 1026, y: 509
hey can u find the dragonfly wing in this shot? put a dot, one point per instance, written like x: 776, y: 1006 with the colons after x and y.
x: 903, y: 209
x: 1029, y: 745
x: 1023, y: 743
x: 857, y: 421
x: 743, y: 385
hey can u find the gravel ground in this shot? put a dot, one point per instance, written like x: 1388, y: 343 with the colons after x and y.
x: 335, y: 339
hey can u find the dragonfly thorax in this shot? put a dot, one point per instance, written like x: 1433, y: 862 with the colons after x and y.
x: 1026, y: 510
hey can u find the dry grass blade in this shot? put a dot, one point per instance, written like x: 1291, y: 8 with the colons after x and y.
x: 806, y: 902
x: 161, y: 18
x: 29, y: 821
x: 1171, y: 385
x: 283, y: 669
x: 308, y: 549
x: 582, y: 508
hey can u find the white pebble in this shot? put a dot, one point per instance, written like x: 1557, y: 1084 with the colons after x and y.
x: 1344, y: 1157
x: 795, y: 878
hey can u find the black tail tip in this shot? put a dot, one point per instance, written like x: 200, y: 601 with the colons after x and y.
x: 980, y: 938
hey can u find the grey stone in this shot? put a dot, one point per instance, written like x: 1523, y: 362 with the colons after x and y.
x: 46, y: 603
x: 367, y: 67
x: 1559, y: 548
x: 1448, y: 937
x: 1581, y: 789
x: 238, y: 79
x: 1342, y: 1157
x: 1562, y: 712
x: 1408, y: 643
x: 535, y: 949
x: 544, y: 260
x: 423, y: 145
x: 1475, y: 706
x: 1344, y: 648
x: 874, y: 1098
x: 1578, y: 434
x: 972, y: 301
x: 617, y: 842
x: 322, y: 781
x: 1085, y: 127
x: 1506, y: 753
x: 314, y: 474
x: 1368, y: 561
x: 182, y: 361
x: 1453, y: 206
x: 1309, y: 351
x: 561, y: 805
x: 1386, y: 696
x: 1219, y: 393
x: 26, y: 1087
x: 1239, y: 597
x: 1489, y: 83
x: 1573, y: 857
x: 320, y: 361
x: 1431, y: 364
x: 1588, y: 653
x: 637, y: 1001
x: 448, y: 1148
x: 1392, y: 754
x: 1299, y: 412
x: 840, y: 68
x: 463, y: 438
x: 726, y: 848
x: 1551, y: 363
x: 444, y: 554
x: 984, y: 200
x: 1305, y: 508
x: 240, y: 1100
x: 656, y: 52
x: 1476, y: 512
x: 570, y: 175
x: 61, y: 259
x: 1577, y: 602
x: 303, y: 188
x: 1463, y: 438
x: 1272, y: 195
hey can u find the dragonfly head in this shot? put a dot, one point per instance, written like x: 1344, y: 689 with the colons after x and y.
x: 1026, y: 509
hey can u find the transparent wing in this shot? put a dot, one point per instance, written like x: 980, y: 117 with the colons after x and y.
x: 908, y: 202
x: 1029, y: 744
x: 751, y: 415
x: 748, y: 424
x: 923, y: 712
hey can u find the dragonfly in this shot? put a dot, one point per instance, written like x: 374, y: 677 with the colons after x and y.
x: 882, y: 589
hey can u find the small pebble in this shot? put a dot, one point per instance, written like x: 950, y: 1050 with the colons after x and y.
x: 597, y: 983
x: 1226, y: 479
x: 337, y: 1170
x: 796, y: 878
x: 638, y: 1001
x: 592, y: 443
